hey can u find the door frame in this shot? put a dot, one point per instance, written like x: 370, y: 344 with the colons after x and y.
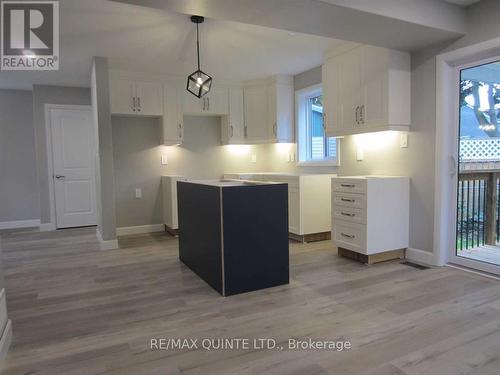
x: 448, y: 67
x: 50, y: 155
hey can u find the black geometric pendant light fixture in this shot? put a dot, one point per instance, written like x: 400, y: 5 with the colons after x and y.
x: 199, y: 82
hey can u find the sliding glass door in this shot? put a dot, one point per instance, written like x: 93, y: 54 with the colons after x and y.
x: 478, y: 203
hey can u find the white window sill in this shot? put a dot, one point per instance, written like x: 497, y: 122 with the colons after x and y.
x: 318, y: 163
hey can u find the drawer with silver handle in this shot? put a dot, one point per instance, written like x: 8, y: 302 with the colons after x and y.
x: 349, y: 185
x: 349, y: 236
x: 353, y: 215
x: 348, y: 200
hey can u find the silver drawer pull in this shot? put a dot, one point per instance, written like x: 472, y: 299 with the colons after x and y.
x: 347, y: 200
x: 347, y: 214
x: 348, y: 235
x: 348, y: 185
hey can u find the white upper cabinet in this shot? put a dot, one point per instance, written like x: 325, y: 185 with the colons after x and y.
x: 149, y: 98
x: 256, y: 107
x: 233, y: 124
x: 280, y: 111
x: 216, y: 102
x: 269, y: 110
x: 367, y: 89
x: 129, y: 97
x: 173, y: 125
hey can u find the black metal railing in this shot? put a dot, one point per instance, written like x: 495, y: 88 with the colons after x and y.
x: 478, y: 210
x: 471, y: 212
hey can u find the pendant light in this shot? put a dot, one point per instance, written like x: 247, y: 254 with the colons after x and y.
x: 199, y: 82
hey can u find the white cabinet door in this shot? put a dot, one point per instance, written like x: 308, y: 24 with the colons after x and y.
x: 294, y: 210
x: 233, y: 124
x: 149, y: 98
x: 256, y: 118
x: 284, y: 113
x: 374, y: 107
x: 191, y: 104
x: 217, y: 101
x: 122, y: 97
x: 173, y: 127
x: 331, y: 110
x: 350, y: 88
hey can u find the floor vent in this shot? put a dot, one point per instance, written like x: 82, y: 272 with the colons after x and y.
x: 415, y: 265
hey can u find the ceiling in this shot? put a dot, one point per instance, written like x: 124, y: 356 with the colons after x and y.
x: 463, y: 3
x: 147, y: 40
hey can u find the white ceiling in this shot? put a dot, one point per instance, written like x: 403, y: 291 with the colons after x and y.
x: 463, y: 3
x: 147, y: 40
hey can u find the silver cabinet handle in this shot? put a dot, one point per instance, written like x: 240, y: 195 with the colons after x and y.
x: 245, y: 131
x: 208, y: 100
x: 347, y: 214
x: 347, y: 185
x: 60, y: 177
x: 232, y: 131
x: 357, y: 115
x: 347, y: 200
x: 138, y: 103
x: 180, y: 131
x: 362, y: 114
x: 133, y: 104
x: 275, y: 129
x: 348, y: 235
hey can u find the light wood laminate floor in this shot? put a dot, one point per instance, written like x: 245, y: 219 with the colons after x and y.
x: 76, y: 310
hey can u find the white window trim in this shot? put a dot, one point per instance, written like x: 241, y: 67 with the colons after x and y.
x: 301, y: 114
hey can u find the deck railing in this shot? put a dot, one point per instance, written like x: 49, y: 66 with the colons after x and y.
x: 478, y: 215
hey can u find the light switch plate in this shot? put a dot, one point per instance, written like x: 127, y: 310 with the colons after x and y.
x: 360, y: 154
x: 254, y: 158
x: 164, y: 160
x: 404, y: 140
x: 138, y: 193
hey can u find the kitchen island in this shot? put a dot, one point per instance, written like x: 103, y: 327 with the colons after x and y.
x: 234, y: 234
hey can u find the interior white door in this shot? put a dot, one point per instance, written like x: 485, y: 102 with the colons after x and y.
x: 73, y: 148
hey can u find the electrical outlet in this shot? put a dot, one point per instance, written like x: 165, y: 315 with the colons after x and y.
x: 254, y: 158
x: 404, y: 140
x: 164, y: 160
x: 138, y: 193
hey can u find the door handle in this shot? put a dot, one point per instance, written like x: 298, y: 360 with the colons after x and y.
x: 60, y: 177
x: 133, y: 104
x: 357, y: 115
x: 139, y: 103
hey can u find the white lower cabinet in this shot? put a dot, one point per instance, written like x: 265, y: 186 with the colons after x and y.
x: 370, y: 214
x: 309, y: 198
x: 169, y: 193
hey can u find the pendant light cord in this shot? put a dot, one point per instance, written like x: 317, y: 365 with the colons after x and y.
x: 198, y: 46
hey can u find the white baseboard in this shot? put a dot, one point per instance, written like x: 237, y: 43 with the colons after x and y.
x: 420, y: 256
x: 140, y: 229
x: 106, y: 244
x: 5, y: 330
x: 20, y: 224
x: 47, y: 227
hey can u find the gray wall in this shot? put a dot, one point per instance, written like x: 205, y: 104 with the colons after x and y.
x: 18, y: 176
x: 137, y: 162
x: 50, y: 95
x: 136, y: 159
